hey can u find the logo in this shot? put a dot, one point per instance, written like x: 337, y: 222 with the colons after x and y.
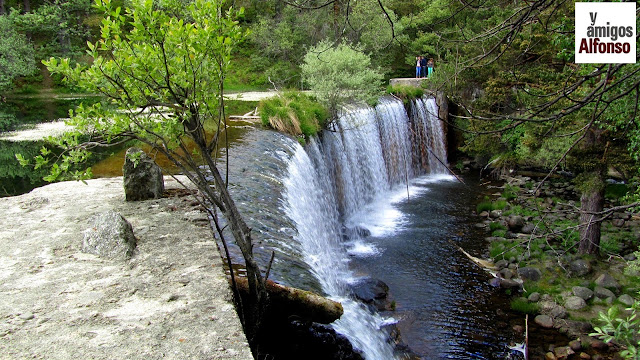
x: 605, y: 32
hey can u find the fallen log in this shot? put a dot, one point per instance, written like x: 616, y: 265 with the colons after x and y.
x: 288, y: 303
x: 244, y: 117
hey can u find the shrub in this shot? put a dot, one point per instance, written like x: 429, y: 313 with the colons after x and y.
x: 340, y: 74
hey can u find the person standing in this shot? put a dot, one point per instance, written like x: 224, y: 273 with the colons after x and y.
x: 418, y: 66
x: 423, y: 66
x: 430, y: 64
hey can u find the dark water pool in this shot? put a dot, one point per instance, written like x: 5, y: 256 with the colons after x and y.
x: 445, y: 307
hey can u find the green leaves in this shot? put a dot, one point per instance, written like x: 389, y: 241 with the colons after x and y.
x: 17, y: 56
x: 159, y: 76
x: 340, y: 74
x: 624, y: 330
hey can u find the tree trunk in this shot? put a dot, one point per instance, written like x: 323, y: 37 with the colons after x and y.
x: 592, y: 201
x: 592, y: 153
x: 2, y: 8
x: 27, y: 6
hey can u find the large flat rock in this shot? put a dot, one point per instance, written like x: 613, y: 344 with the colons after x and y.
x: 170, y: 301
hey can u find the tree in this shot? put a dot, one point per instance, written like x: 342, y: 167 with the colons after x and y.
x: 16, y: 54
x: 162, y: 80
x: 531, y: 104
x: 58, y: 27
x: 340, y: 74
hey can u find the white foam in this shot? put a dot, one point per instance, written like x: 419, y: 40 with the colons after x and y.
x: 361, y: 249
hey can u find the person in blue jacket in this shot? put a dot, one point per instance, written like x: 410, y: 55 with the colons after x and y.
x: 423, y: 66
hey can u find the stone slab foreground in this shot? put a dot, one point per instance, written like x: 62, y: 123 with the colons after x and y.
x: 170, y: 301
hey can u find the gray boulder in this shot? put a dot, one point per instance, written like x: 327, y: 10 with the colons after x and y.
x: 544, y: 321
x: 509, y: 284
x: 558, y: 312
x: 528, y: 228
x: 501, y: 264
x: 109, y: 236
x: 534, y: 297
x: 607, y: 281
x: 530, y: 273
x: 582, y: 292
x: 575, y: 303
x: 141, y: 176
x: 603, y: 293
x: 580, y: 267
x: 626, y: 299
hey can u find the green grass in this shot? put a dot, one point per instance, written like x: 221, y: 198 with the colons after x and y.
x: 294, y: 113
x: 523, y: 306
x: 491, y: 205
x: 510, y: 192
x: 237, y: 107
x: 405, y: 92
x: 496, y: 226
x: 484, y: 206
x: 610, y: 245
x: 499, y: 233
x: 499, y: 205
x: 505, y: 249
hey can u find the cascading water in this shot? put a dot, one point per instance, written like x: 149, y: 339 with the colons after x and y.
x: 330, y: 185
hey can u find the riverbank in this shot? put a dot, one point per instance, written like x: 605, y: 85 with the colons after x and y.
x: 533, y: 237
x: 40, y: 131
x: 171, y: 300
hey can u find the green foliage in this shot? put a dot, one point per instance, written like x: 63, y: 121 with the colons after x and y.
x: 616, y: 191
x: 621, y: 328
x: 17, y: 57
x: 491, y: 205
x: 609, y: 245
x: 405, y: 92
x: 148, y: 59
x: 484, y: 206
x: 340, y: 74
x: 14, y: 178
x: 58, y: 27
x: 496, y: 226
x: 499, y: 205
x: 294, y: 113
x: 510, y: 192
x: 522, y: 305
x: 499, y: 233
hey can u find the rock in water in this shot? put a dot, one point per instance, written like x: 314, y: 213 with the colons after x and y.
x: 141, y: 176
x: 369, y: 290
x: 110, y: 236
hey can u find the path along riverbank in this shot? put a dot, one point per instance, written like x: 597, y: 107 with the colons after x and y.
x: 171, y: 300
x: 56, y: 128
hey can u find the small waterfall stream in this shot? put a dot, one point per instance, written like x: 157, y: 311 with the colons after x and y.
x: 368, y: 153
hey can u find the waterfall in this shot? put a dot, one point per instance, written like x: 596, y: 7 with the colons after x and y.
x: 367, y: 153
